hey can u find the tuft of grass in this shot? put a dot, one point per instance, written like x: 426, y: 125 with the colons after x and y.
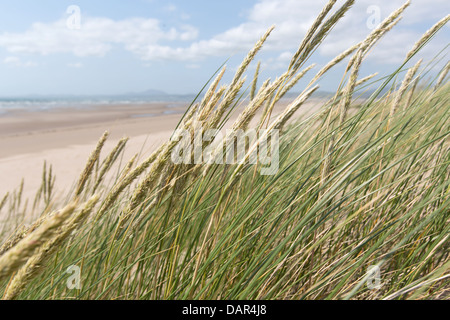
x: 361, y: 183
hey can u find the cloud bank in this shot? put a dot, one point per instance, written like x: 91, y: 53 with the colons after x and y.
x: 146, y: 39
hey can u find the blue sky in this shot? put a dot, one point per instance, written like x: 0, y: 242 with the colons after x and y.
x: 175, y: 46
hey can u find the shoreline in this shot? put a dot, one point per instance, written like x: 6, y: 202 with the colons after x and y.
x: 19, y: 121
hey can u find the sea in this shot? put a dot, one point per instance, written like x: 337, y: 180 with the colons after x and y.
x: 8, y: 104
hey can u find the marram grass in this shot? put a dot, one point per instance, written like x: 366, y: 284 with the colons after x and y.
x: 361, y: 183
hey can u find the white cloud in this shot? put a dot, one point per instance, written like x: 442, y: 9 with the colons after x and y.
x: 96, y: 37
x: 417, y: 18
x: 17, y: 62
x: 293, y: 18
x: 147, y: 39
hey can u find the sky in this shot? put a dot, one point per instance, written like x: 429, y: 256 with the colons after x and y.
x: 104, y: 47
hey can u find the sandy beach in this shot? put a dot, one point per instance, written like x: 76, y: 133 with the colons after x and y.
x: 65, y: 137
